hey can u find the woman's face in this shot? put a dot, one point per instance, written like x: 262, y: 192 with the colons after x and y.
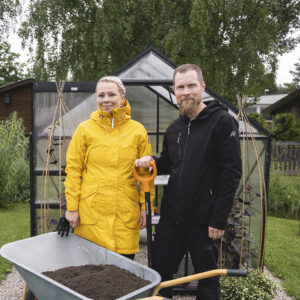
x: 108, y: 96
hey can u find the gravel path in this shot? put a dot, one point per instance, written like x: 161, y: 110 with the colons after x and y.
x: 12, y: 288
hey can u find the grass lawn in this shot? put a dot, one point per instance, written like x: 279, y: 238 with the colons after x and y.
x: 282, y: 255
x: 14, y: 225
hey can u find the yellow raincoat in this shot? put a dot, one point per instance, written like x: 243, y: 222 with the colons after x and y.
x: 100, y: 183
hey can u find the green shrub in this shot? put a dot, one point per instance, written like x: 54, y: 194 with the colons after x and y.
x: 14, y: 164
x: 255, y: 286
x: 284, y: 196
x: 286, y: 128
x: 259, y: 119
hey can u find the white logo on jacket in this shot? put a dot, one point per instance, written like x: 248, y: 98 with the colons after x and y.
x: 232, y: 134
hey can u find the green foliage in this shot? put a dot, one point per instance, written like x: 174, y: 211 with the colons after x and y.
x: 259, y: 119
x: 238, y: 225
x: 9, y: 9
x: 14, y: 164
x: 282, y: 253
x: 286, y: 88
x: 255, y: 286
x: 14, y: 225
x: 284, y: 196
x: 10, y: 69
x: 296, y: 74
x: 235, y: 42
x: 286, y: 128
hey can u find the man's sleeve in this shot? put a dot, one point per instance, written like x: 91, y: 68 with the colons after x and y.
x: 230, y: 170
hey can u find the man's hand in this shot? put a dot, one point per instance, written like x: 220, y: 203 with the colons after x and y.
x: 214, y: 233
x: 73, y: 218
x: 63, y: 227
x: 143, y: 220
x: 144, y: 162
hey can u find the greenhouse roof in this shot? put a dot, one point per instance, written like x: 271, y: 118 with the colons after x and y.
x: 155, y: 71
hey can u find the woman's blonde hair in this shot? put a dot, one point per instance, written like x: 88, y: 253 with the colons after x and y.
x: 116, y: 80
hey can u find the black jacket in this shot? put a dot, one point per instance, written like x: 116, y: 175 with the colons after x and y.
x: 203, y: 159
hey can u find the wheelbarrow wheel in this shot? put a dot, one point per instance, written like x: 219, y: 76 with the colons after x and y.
x: 30, y: 295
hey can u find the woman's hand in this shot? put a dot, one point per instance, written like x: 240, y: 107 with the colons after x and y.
x: 73, y: 218
x: 143, y: 220
x: 144, y: 162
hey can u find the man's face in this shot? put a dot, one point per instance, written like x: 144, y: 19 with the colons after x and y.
x: 188, y: 91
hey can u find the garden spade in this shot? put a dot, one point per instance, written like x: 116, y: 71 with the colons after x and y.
x: 146, y: 183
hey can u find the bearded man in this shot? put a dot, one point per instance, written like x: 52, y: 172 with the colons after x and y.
x: 201, y: 152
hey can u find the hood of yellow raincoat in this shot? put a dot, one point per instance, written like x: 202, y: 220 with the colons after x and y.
x: 119, y: 114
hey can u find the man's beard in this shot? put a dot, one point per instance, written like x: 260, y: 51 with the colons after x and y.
x: 187, y: 107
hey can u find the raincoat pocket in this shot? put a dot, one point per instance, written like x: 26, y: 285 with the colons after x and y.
x: 86, y: 211
x: 130, y: 208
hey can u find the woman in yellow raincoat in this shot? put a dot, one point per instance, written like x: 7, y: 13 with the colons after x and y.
x: 103, y: 202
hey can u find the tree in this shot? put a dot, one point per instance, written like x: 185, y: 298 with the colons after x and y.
x: 10, y: 69
x: 296, y: 74
x: 286, y: 128
x: 9, y: 9
x: 235, y: 42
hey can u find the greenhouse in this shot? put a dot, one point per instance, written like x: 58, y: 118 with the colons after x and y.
x: 148, y: 81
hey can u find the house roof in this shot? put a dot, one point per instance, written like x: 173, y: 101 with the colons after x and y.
x: 269, y: 99
x: 288, y: 98
x: 16, y: 84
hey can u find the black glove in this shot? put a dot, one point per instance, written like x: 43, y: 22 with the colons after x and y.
x: 63, y: 227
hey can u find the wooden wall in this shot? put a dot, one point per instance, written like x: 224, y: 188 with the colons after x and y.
x: 21, y: 102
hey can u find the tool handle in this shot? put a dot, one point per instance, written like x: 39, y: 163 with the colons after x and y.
x: 233, y: 272
x: 145, y: 181
x: 199, y: 276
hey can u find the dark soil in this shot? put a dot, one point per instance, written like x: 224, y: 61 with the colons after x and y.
x: 98, y: 281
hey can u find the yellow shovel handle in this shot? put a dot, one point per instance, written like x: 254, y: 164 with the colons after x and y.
x: 145, y: 181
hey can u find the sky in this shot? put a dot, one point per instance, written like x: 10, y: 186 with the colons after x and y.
x: 286, y: 61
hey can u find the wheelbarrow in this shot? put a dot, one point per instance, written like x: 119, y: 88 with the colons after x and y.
x: 49, y: 252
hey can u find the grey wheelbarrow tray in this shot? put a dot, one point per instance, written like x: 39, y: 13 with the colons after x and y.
x: 49, y: 252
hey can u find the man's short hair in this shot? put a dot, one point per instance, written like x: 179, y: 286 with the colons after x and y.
x: 188, y: 67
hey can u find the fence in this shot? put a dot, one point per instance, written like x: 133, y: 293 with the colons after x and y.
x: 286, y: 157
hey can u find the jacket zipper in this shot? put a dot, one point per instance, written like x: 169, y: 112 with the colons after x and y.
x: 184, y: 152
x: 178, y: 143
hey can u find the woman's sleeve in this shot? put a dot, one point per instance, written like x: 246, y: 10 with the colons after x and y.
x: 145, y: 149
x: 74, y: 168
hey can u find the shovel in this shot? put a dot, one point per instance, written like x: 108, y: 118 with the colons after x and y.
x: 146, y: 183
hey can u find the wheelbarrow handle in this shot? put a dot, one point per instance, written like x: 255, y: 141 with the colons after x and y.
x: 145, y: 181
x: 199, y: 276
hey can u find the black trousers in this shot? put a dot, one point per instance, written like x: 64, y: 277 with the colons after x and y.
x: 172, y: 241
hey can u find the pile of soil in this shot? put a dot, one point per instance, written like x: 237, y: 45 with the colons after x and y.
x: 97, y: 282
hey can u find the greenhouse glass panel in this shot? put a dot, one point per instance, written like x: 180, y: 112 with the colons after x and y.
x: 80, y: 106
x: 53, y: 191
x: 167, y: 114
x: 143, y: 105
x: 149, y: 66
x: 252, y: 195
